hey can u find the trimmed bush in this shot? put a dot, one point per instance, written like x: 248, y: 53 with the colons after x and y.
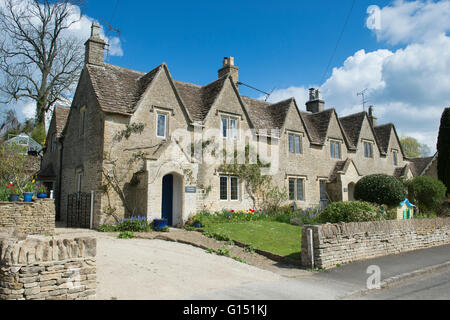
x: 380, y: 189
x: 354, y: 211
x: 426, y: 192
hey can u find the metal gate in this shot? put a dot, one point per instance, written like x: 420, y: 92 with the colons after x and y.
x: 79, y: 210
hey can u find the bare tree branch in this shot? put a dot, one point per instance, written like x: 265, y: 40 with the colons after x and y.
x: 38, y: 59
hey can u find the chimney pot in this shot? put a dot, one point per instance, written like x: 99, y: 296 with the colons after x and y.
x: 229, y: 69
x: 95, y: 47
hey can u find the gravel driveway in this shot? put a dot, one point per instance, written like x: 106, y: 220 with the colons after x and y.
x: 139, y: 269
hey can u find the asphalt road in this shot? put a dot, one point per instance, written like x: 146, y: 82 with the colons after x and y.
x: 348, y: 281
x: 434, y: 286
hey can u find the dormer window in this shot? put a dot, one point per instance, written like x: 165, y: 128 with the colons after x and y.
x: 229, y: 127
x: 161, y: 125
x: 395, y: 157
x: 295, y: 144
x: 335, y: 149
x: 368, y: 150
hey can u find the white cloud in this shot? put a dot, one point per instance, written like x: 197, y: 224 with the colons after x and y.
x: 408, y: 87
x: 405, y: 22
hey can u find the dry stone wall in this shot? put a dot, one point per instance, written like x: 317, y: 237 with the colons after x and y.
x: 345, y: 242
x: 37, y: 217
x: 39, y: 268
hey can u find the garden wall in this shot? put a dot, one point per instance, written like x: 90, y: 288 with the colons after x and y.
x: 345, y: 242
x: 37, y: 217
x: 41, y: 268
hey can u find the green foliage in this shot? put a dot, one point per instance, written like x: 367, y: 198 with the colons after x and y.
x: 261, y: 189
x: 13, y: 166
x: 239, y: 260
x: 4, y: 194
x: 107, y: 228
x: 38, y: 134
x: 134, y: 128
x: 380, y: 189
x: 413, y: 148
x: 126, y: 235
x: 426, y: 192
x: 250, y: 249
x: 136, y: 224
x: 354, y: 211
x: 443, y: 148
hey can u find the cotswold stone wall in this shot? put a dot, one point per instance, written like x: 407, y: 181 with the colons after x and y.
x: 41, y: 268
x: 37, y: 217
x: 345, y: 242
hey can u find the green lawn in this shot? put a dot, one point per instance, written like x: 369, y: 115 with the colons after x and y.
x: 276, y: 237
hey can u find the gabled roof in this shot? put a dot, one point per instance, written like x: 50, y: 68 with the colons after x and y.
x: 318, y: 123
x: 383, y: 134
x: 419, y: 165
x: 60, y: 114
x: 341, y: 167
x: 352, y: 125
x: 199, y: 99
x: 402, y: 171
x: 265, y: 115
x: 48, y: 172
x: 118, y: 89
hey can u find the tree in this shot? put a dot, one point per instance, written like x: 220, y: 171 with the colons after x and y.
x: 380, y: 189
x: 413, y: 148
x: 443, y: 148
x: 39, y: 60
x: 428, y: 193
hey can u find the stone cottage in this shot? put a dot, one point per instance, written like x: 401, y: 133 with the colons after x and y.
x: 150, y: 145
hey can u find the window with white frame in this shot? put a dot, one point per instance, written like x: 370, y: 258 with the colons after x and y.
x: 296, y: 189
x: 229, y: 127
x: 335, y: 149
x: 395, y: 157
x: 368, y: 150
x: 161, y: 125
x: 229, y: 188
x: 295, y: 143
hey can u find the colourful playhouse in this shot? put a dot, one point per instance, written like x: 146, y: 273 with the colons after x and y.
x: 405, y: 210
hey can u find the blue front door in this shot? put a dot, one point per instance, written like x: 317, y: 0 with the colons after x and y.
x: 167, y: 198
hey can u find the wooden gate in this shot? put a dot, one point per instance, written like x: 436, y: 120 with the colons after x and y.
x: 79, y: 210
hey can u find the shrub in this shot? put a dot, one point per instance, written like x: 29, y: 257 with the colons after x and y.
x: 426, y: 192
x: 135, y: 224
x: 126, y: 235
x: 107, y: 228
x: 355, y: 211
x: 380, y: 189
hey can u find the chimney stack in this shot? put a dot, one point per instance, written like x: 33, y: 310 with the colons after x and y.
x: 95, y: 47
x: 228, y: 68
x: 373, y: 120
x: 315, y: 103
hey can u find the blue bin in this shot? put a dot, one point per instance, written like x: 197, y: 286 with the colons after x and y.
x: 159, y: 224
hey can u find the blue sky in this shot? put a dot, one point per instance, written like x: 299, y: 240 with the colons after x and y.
x: 399, y: 50
x: 275, y: 43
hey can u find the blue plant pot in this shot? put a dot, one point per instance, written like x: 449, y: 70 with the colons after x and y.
x: 197, y: 225
x: 159, y: 224
x: 28, y: 196
x: 42, y: 195
x: 13, y: 198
